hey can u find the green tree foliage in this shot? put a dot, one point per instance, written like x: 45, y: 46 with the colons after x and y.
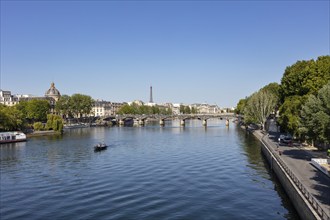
x: 126, y: 109
x: 305, y: 77
x: 241, y: 106
x: 10, y: 118
x: 315, y: 116
x: 77, y: 105
x: 300, y: 100
x: 259, y: 106
x: 182, y: 109
x: 290, y: 114
x: 293, y: 80
x: 135, y: 109
x: 80, y: 104
x: 273, y: 88
x: 63, y: 105
x: 16, y: 117
x: 187, y: 110
x: 22, y: 107
x: 54, y: 122
x: 36, y: 109
x: 38, y: 126
x: 298, y: 82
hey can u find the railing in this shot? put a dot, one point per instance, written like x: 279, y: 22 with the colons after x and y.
x: 310, y: 198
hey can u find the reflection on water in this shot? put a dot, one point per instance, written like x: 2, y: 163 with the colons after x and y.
x: 149, y: 172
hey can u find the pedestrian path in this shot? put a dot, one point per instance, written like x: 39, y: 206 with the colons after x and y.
x: 298, y: 160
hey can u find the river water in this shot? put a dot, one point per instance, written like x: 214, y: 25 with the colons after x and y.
x: 149, y: 172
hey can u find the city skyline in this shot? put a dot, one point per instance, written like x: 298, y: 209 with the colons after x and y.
x: 211, y: 52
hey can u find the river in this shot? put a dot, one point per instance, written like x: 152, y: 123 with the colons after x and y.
x: 150, y: 172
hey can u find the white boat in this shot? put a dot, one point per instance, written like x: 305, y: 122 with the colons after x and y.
x: 13, y: 136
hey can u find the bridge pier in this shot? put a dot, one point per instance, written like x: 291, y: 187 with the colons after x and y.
x: 227, y: 122
x: 141, y: 122
x: 121, y: 122
x: 205, y: 122
x: 182, y: 122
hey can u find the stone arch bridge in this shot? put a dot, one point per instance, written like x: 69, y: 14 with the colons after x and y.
x: 141, y: 119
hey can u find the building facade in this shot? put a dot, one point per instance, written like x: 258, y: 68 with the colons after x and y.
x: 6, y: 98
x: 103, y: 108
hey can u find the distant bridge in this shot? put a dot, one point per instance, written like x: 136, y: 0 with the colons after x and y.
x: 141, y: 119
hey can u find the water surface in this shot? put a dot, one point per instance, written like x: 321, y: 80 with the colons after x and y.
x: 149, y: 172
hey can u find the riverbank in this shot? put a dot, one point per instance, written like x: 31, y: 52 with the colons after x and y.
x: 307, y: 187
x: 42, y: 133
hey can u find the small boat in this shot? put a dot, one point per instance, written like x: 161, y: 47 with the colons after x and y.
x: 100, y: 147
x: 10, y: 137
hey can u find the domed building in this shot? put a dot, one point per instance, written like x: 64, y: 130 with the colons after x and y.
x: 52, y: 92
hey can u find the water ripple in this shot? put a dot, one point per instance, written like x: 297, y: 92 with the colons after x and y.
x: 147, y: 173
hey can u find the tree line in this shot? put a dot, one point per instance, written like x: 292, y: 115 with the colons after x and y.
x: 34, y: 113
x: 136, y: 109
x: 302, y: 100
x: 37, y: 113
x: 74, y: 106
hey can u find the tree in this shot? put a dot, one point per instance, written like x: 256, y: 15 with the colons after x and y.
x: 259, y: 106
x: 22, y: 107
x: 11, y: 118
x: 292, y: 80
x: 315, y: 116
x: 38, y: 126
x: 319, y: 75
x: 273, y: 88
x: 37, y: 109
x: 300, y: 80
x: 63, y: 105
x: 126, y: 109
x: 241, y: 106
x: 187, y: 110
x: 54, y: 122
x: 182, y: 109
x: 193, y: 110
x: 80, y: 104
x: 143, y: 109
x: 305, y: 77
x: 290, y: 114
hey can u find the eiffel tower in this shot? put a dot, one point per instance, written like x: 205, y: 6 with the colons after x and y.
x: 151, y: 100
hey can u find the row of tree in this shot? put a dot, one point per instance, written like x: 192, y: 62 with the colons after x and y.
x: 36, y: 113
x: 187, y: 110
x: 149, y: 110
x: 27, y: 114
x: 144, y: 109
x: 76, y: 105
x: 302, y: 100
x: 24, y: 114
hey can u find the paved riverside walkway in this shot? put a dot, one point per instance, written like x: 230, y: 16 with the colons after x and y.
x: 298, y: 160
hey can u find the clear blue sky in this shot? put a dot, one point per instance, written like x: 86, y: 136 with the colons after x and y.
x: 189, y: 51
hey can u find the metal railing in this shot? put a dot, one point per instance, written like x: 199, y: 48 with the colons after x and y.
x: 310, y: 198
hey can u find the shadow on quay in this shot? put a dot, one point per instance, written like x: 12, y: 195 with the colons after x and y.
x: 322, y: 187
x: 297, y: 154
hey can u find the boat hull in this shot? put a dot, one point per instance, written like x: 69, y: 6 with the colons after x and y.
x: 12, y: 141
x: 11, y: 137
x: 96, y: 149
